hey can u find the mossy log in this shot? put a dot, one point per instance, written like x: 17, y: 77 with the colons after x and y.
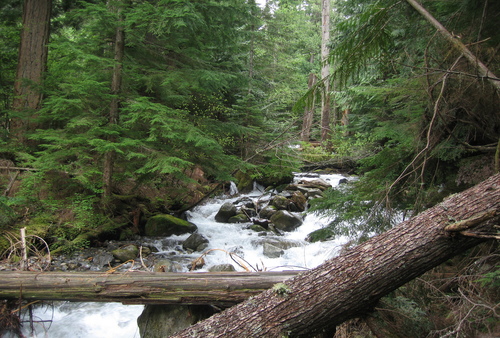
x: 216, y: 288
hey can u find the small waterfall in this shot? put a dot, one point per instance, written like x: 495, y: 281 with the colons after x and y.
x: 233, y: 189
x: 258, y: 188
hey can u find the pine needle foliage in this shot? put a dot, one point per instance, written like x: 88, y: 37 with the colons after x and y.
x: 415, y: 107
x: 364, y: 39
x: 183, y: 99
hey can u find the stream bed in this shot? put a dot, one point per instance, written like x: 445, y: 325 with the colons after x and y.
x: 85, y: 320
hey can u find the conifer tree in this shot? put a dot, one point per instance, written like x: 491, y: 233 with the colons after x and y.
x: 31, y: 66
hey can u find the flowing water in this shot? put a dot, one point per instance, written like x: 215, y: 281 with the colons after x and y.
x: 82, y: 320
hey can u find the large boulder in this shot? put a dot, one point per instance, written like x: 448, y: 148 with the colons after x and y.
x: 226, y: 211
x: 285, y: 220
x: 168, y: 225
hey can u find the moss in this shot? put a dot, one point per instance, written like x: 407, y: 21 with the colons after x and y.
x: 245, y: 181
x: 320, y: 235
x: 281, y: 289
x: 239, y: 218
x: 168, y: 225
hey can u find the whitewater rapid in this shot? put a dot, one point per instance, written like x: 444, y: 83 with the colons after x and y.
x: 96, y: 320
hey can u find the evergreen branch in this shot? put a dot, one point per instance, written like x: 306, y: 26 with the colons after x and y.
x: 447, y: 71
x: 482, y: 70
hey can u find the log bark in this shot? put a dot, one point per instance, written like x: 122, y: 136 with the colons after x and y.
x: 221, y: 289
x: 350, y: 285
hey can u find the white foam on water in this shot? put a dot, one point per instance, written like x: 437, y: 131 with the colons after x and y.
x: 85, y: 320
x: 227, y: 242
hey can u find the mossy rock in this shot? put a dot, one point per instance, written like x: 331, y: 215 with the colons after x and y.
x: 257, y: 228
x: 126, y: 253
x: 320, y: 235
x: 268, y: 211
x: 281, y: 202
x: 168, y: 225
x: 245, y: 181
x: 239, y: 218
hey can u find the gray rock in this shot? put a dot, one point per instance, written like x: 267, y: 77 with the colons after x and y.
x: 285, y: 221
x: 267, y: 212
x: 222, y: 267
x: 316, y: 183
x: 226, y: 211
x: 195, y: 242
x: 102, y: 259
x: 272, y: 251
x: 166, y: 265
x: 308, y: 192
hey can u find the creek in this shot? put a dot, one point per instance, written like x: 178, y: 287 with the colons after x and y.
x: 82, y: 320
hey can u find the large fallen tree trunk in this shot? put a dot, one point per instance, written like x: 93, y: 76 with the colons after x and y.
x: 350, y: 285
x: 216, y: 288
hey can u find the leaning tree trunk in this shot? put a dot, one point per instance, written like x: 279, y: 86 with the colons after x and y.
x: 350, y: 285
x: 481, y: 68
x: 32, y: 62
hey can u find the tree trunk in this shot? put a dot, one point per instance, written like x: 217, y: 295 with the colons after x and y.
x: 196, y: 288
x: 325, y: 70
x: 482, y: 70
x: 32, y: 63
x: 350, y: 285
x: 116, y: 84
x: 305, y: 133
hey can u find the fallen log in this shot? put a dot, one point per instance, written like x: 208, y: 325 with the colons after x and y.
x: 350, y: 285
x: 216, y: 288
